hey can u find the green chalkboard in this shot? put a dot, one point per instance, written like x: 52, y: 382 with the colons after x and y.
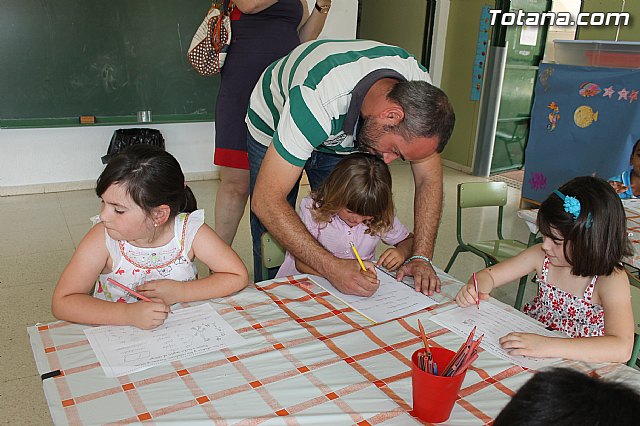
x: 60, y: 59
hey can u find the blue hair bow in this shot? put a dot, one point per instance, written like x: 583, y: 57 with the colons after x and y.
x: 572, y: 206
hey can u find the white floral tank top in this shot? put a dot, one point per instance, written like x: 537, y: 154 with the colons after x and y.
x: 134, y: 265
x: 562, y: 311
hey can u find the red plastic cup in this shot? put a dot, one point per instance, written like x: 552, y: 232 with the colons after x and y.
x: 434, y: 396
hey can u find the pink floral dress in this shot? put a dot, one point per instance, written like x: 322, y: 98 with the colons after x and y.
x: 562, y: 311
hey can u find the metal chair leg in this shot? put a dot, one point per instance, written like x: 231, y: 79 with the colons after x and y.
x: 521, y: 287
x: 636, y: 350
x: 453, y: 258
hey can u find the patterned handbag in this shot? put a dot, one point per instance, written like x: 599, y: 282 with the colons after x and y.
x: 210, y: 43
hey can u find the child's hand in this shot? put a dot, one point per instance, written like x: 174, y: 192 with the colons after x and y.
x: 370, y: 273
x: 147, y: 315
x: 618, y: 186
x: 527, y: 344
x: 467, y: 295
x: 391, y: 259
x: 349, y: 278
x: 167, y: 291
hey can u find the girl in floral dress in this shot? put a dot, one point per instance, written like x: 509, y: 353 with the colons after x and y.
x: 583, y: 289
x: 149, y: 234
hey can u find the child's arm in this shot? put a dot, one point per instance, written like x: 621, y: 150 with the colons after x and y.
x: 304, y: 268
x: 614, y: 346
x: 73, y: 302
x: 500, y: 274
x: 229, y: 273
x: 393, y: 258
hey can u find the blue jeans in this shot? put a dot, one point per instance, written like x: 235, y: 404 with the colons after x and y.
x: 318, y: 167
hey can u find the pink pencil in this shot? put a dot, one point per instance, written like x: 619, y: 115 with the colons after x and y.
x: 475, y: 283
x: 128, y: 290
x: 465, y: 365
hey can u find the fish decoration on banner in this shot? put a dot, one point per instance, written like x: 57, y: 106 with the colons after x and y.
x: 584, y: 116
x: 554, y: 116
x: 588, y: 90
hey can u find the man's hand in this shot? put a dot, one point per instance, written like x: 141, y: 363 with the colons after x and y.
x: 349, y: 278
x: 425, y: 278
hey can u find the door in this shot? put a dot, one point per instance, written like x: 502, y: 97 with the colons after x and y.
x: 525, y: 49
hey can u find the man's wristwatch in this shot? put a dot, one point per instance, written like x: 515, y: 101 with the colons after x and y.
x: 323, y: 9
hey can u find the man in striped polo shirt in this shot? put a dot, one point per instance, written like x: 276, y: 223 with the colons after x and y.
x: 328, y: 98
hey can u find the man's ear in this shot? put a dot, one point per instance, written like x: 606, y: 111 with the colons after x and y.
x: 160, y: 214
x: 392, y: 115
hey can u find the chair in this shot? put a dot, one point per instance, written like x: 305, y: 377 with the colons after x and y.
x: 518, y: 137
x: 272, y: 253
x: 487, y: 194
x: 635, y: 305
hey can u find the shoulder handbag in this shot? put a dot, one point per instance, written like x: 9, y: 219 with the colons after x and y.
x: 209, y: 45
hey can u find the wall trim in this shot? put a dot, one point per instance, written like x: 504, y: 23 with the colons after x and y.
x: 6, y: 191
x: 456, y: 166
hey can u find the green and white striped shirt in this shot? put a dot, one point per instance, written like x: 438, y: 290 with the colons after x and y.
x: 301, y: 101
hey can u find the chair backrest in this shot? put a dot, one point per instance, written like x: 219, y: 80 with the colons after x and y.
x: 272, y: 252
x: 482, y: 194
x: 635, y: 301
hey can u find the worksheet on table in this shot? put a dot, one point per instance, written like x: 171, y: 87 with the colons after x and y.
x: 186, y: 333
x: 393, y: 299
x: 495, y: 322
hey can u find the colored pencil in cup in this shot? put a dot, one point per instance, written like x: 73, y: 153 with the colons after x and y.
x: 424, y: 338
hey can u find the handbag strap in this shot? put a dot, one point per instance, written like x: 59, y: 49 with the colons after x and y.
x: 225, y: 6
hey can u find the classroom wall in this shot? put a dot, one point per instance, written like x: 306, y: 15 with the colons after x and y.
x: 459, y: 56
x: 68, y: 158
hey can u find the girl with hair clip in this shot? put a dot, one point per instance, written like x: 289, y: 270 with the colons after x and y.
x: 583, y: 290
x: 147, y: 239
x: 354, y: 205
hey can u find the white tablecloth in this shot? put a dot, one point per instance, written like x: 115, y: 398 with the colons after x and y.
x: 307, y: 359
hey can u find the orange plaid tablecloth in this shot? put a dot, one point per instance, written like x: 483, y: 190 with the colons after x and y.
x: 307, y: 359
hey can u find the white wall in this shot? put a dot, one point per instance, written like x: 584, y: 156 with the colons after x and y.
x: 57, y: 159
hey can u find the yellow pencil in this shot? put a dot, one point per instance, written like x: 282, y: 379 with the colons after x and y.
x: 355, y: 251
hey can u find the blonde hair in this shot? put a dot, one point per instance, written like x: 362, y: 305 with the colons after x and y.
x: 360, y: 183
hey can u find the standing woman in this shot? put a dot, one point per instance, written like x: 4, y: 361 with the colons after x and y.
x: 262, y: 31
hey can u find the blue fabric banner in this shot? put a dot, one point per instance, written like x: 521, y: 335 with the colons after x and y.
x: 584, y: 121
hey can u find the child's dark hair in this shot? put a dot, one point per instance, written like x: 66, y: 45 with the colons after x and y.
x: 633, y: 150
x: 152, y: 177
x: 596, y: 241
x: 565, y: 397
x: 360, y: 183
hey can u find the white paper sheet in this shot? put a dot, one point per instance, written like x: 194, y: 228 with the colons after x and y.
x: 186, y: 333
x: 393, y: 299
x: 495, y: 322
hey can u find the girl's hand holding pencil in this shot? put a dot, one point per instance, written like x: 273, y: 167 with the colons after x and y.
x: 146, y: 315
x: 368, y: 269
x: 472, y: 292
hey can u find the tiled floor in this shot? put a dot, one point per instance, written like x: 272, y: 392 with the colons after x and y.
x: 39, y: 233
